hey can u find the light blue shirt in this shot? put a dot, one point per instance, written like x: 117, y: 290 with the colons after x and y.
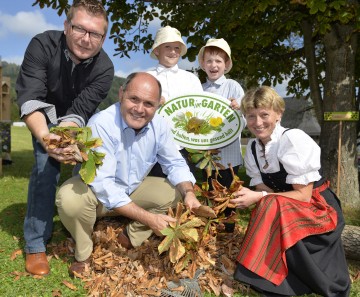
x: 225, y: 87
x: 130, y: 157
x: 228, y: 88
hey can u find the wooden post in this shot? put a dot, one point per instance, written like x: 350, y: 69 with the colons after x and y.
x: 340, y: 116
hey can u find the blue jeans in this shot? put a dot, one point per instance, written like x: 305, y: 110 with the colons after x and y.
x: 38, y: 222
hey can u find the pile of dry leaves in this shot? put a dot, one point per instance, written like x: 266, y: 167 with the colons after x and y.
x: 115, y: 271
x: 193, y: 248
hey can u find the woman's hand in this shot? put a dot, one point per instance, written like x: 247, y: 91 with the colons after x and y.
x: 245, y: 197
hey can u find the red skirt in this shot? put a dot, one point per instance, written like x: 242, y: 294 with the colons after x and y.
x: 276, y: 224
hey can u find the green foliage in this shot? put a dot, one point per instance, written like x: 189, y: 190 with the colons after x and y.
x: 113, y: 95
x: 266, y: 36
x: 82, y: 139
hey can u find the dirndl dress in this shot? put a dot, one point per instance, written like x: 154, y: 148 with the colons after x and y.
x: 294, y: 248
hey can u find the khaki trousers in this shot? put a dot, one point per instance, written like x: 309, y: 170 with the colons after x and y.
x: 78, y: 209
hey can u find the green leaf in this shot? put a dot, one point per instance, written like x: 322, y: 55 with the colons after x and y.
x: 94, y: 142
x: 166, y: 243
x: 98, y: 157
x: 88, y: 169
x: 195, y: 158
x: 203, y: 163
x: 167, y: 231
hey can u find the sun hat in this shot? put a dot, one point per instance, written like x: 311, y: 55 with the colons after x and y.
x: 220, y: 43
x: 168, y: 34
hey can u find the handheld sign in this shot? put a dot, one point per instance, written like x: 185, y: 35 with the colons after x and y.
x: 202, y: 121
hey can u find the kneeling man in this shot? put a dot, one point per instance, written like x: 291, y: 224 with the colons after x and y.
x: 134, y: 138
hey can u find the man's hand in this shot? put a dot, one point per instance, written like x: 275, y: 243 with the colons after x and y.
x: 63, y: 155
x: 160, y: 222
x: 191, y: 201
x: 156, y: 222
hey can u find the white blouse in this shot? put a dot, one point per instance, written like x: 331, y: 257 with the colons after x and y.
x: 294, y: 149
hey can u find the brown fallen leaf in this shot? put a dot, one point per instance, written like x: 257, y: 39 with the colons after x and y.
x: 56, y: 293
x: 204, y: 211
x: 226, y: 290
x: 15, y: 253
x: 69, y: 285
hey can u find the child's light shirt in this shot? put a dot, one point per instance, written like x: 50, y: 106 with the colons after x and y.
x: 176, y: 82
x: 228, y: 88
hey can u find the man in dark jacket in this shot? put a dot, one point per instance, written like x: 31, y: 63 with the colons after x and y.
x: 63, y: 78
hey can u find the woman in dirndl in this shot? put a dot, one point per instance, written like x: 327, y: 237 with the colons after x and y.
x: 292, y: 245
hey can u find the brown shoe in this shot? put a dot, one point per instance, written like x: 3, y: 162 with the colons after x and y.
x: 124, y: 240
x: 37, y: 264
x: 78, y: 267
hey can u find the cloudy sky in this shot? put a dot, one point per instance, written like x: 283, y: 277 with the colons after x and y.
x: 20, y: 21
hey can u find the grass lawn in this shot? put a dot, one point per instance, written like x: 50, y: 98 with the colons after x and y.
x: 13, y: 191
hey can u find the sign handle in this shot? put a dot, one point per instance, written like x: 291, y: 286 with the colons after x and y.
x: 339, y: 159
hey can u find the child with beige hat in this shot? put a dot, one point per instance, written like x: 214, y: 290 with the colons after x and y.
x: 215, y: 59
x: 168, y: 47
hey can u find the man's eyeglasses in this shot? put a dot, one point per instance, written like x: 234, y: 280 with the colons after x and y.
x: 82, y: 32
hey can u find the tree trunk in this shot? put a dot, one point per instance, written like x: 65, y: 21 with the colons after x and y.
x: 339, y: 95
x: 309, y: 48
x: 351, y: 241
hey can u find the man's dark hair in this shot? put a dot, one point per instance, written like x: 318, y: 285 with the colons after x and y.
x: 132, y: 76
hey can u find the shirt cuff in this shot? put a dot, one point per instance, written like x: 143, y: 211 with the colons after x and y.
x: 34, y: 105
x: 78, y: 120
x: 305, y: 179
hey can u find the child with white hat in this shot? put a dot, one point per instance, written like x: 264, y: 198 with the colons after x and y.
x: 215, y: 59
x: 168, y: 47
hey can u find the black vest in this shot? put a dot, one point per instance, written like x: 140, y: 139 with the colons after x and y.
x: 277, y: 180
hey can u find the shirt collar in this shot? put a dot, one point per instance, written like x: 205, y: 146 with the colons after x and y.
x: 160, y: 68
x: 124, y: 126
x: 276, y: 134
x: 85, y: 62
x: 217, y: 82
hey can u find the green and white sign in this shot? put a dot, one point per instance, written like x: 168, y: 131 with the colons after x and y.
x: 202, y: 121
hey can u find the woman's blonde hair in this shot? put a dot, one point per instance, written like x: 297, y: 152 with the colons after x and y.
x: 262, y: 97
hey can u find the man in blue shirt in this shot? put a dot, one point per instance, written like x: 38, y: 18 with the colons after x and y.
x: 134, y: 137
